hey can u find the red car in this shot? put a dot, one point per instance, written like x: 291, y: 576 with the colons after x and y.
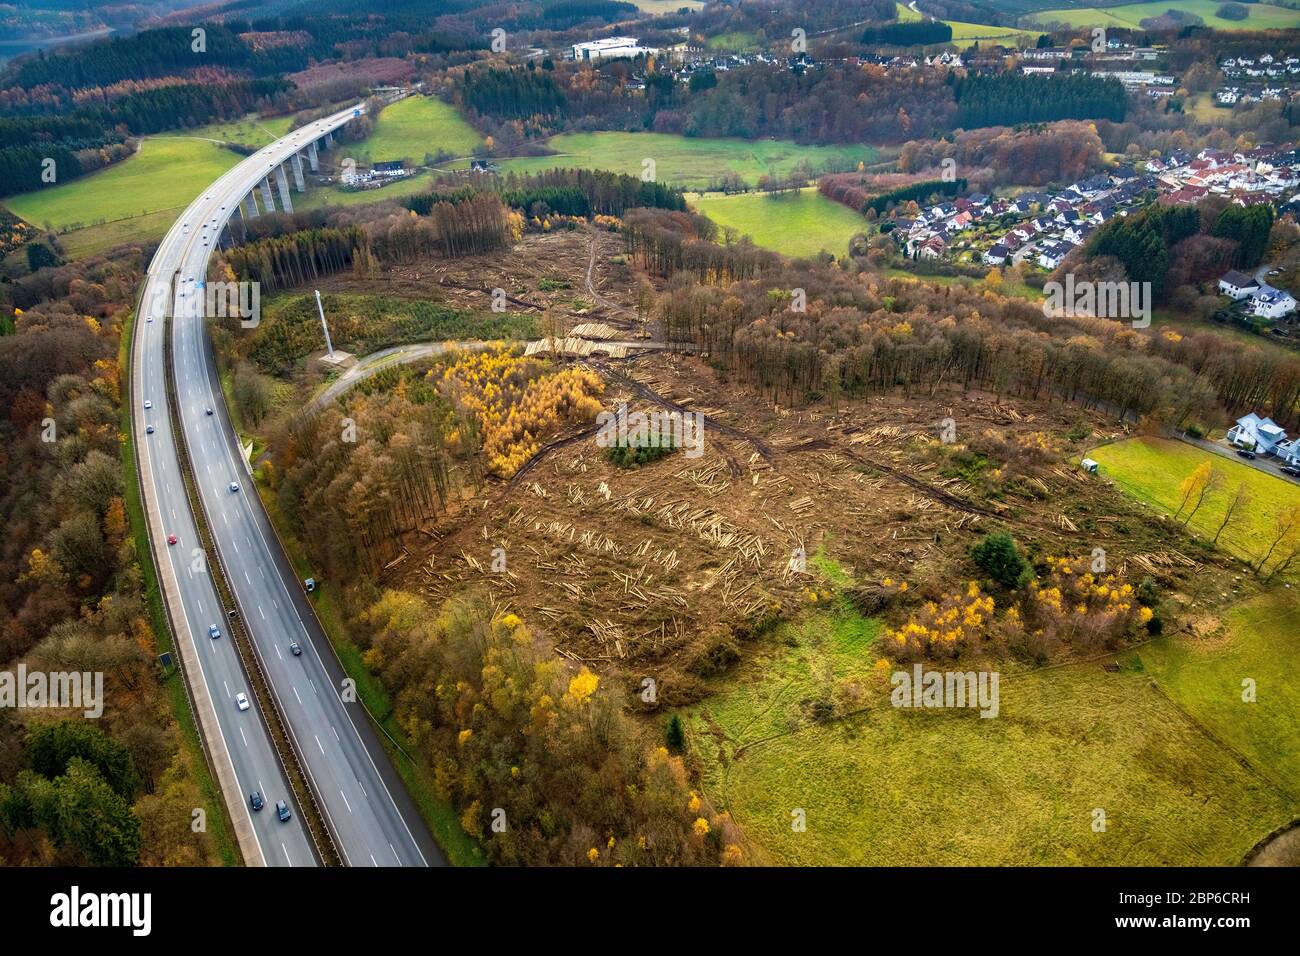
x: 171, y: 539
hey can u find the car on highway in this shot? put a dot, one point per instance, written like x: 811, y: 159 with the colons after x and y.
x: 149, y: 318
x: 234, y: 486
x: 148, y: 429
x: 214, y: 632
x: 282, y: 811
x: 1248, y: 455
x: 171, y: 539
x: 295, y: 649
x: 255, y: 800
x: 147, y: 404
x: 241, y: 701
x: 207, y: 410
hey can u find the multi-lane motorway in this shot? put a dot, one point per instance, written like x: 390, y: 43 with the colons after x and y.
x: 366, y: 808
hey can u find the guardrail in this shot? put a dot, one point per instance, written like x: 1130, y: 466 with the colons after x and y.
x: 281, y: 738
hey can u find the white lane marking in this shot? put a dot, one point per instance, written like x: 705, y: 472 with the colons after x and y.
x: 295, y: 694
x: 336, y: 734
x: 259, y: 611
x: 395, y: 856
x: 286, y: 855
x: 227, y: 687
x: 345, y: 800
x: 241, y: 734
x: 319, y: 744
x: 373, y: 860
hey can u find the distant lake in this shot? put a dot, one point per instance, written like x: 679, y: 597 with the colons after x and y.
x: 12, y: 48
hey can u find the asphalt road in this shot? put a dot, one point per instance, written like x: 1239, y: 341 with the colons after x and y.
x: 251, y: 754
x: 372, y: 818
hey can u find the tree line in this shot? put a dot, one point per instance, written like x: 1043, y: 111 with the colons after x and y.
x: 1006, y: 99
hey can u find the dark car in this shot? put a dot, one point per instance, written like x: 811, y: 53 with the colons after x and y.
x: 255, y: 800
x: 295, y: 648
x: 282, y: 811
x: 1248, y: 455
x: 1290, y: 470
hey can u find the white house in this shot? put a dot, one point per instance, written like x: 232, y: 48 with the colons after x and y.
x: 610, y: 48
x: 1237, y: 285
x: 1271, y: 303
x: 1258, y: 434
x: 1050, y: 254
x: 996, y: 255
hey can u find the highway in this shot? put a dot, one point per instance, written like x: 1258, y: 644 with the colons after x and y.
x: 372, y: 818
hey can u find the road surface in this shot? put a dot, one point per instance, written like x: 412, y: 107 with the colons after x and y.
x: 372, y: 818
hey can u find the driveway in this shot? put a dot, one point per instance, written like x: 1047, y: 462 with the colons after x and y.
x: 1268, y: 465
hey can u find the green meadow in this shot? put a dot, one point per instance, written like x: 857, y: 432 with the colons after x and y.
x: 797, y: 224
x: 687, y: 161
x: 416, y: 126
x: 1262, y: 16
x: 166, y: 174
x: 1159, y: 748
x: 1151, y: 470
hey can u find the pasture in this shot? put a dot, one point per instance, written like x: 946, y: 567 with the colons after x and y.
x: 798, y: 224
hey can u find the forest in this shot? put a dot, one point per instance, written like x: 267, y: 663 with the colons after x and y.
x: 1034, y: 155
x: 1173, y: 247
x: 862, y: 333
x: 120, y: 790
x: 1006, y: 99
x: 913, y: 33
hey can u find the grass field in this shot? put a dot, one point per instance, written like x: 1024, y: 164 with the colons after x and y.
x: 899, y: 787
x: 167, y: 173
x: 797, y: 225
x: 250, y: 130
x: 686, y: 161
x: 737, y: 41
x: 1260, y: 641
x: 967, y: 34
x: 1262, y: 16
x: 318, y: 196
x: 414, y: 127
x: 964, y: 34
x: 1151, y: 469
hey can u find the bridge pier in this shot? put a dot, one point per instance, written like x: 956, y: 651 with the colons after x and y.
x: 297, y: 172
x: 251, y: 202
x: 312, y: 158
x: 286, y: 204
x: 268, y: 203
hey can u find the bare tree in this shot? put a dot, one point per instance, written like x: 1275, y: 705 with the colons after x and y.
x: 1239, y: 500
x: 1213, y: 480
x: 1285, y: 526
